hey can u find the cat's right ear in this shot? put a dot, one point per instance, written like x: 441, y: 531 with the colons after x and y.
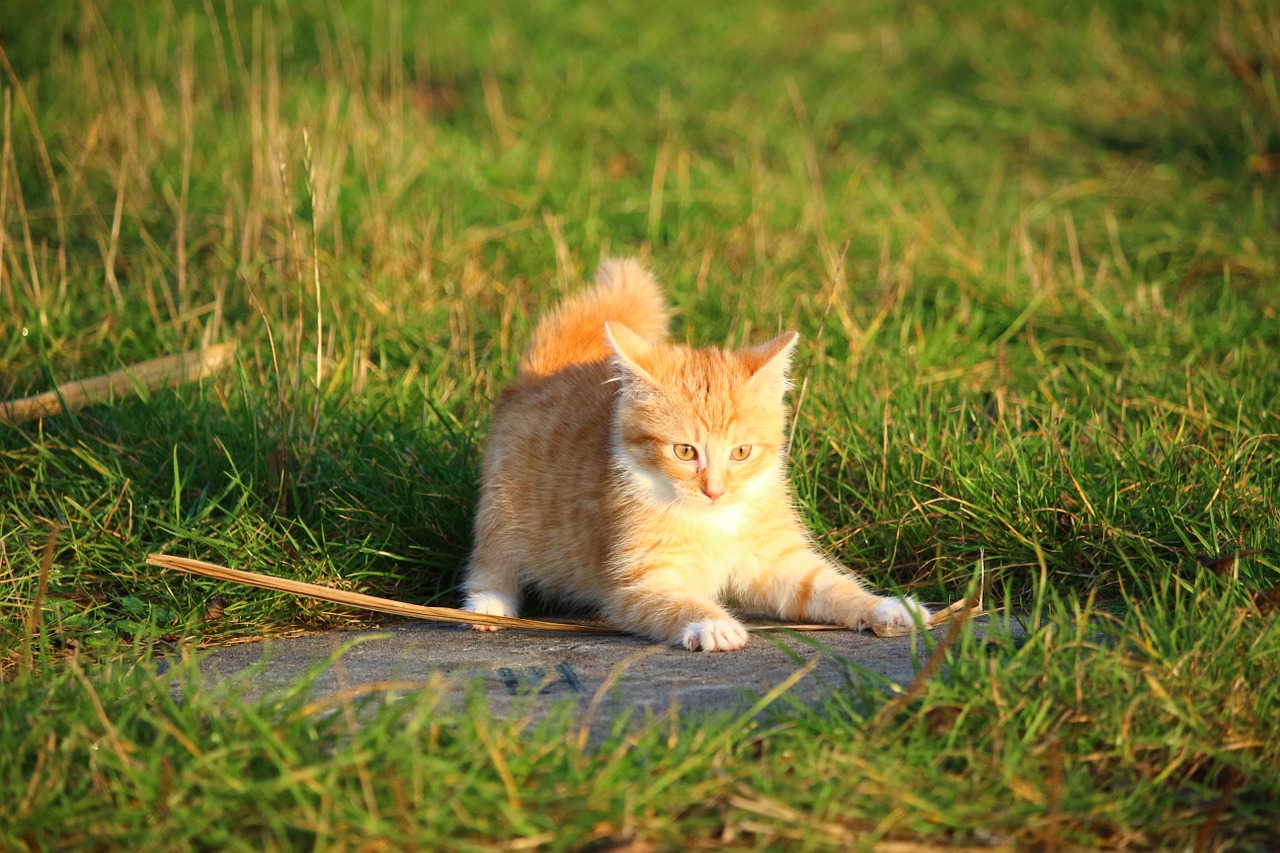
x: 630, y: 351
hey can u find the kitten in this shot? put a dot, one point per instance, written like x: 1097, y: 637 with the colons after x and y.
x: 648, y: 480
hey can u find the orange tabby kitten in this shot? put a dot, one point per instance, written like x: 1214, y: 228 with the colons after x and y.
x: 648, y: 480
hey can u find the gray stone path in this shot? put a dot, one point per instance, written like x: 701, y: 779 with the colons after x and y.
x: 516, y: 668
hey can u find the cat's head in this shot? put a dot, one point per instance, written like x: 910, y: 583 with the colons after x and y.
x: 701, y: 427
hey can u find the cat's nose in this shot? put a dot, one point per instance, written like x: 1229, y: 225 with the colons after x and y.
x: 713, y: 490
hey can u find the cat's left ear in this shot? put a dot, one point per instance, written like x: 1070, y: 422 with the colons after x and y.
x: 630, y: 351
x: 769, y: 362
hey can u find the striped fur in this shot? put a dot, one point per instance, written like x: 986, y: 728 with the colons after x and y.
x: 584, y: 493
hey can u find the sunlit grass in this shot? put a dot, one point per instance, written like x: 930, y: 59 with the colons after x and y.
x: 1033, y: 257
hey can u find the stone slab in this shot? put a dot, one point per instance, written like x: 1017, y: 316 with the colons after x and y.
x: 519, y: 669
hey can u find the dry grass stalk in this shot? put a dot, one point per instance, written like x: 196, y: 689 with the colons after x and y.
x: 465, y: 617
x: 151, y: 375
x: 357, y: 599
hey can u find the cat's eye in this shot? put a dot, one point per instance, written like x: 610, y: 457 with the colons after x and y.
x: 742, y: 451
x: 685, y: 452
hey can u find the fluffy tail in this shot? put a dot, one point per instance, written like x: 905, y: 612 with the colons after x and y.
x: 573, y: 333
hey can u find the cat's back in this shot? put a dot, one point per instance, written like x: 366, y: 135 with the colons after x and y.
x: 547, y: 478
x: 569, y: 409
x: 549, y: 438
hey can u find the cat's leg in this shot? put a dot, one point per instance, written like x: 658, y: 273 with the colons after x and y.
x: 659, y: 604
x: 800, y: 584
x: 492, y: 582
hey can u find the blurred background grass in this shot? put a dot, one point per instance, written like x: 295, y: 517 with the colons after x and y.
x: 1032, y: 251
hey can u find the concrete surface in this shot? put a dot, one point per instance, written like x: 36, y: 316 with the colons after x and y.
x: 516, y: 669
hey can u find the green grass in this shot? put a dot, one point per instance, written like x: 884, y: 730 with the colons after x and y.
x: 1033, y: 256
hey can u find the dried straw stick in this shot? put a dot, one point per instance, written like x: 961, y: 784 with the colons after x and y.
x: 156, y: 373
x: 364, y: 602
x: 463, y: 617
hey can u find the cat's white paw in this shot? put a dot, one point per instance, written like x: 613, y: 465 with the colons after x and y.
x: 899, y: 612
x: 714, y: 635
x: 490, y: 604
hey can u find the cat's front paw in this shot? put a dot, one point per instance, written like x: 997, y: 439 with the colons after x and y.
x: 714, y: 635
x: 900, y: 613
x: 490, y: 604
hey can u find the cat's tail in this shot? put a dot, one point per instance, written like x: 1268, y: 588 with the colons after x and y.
x: 573, y: 333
